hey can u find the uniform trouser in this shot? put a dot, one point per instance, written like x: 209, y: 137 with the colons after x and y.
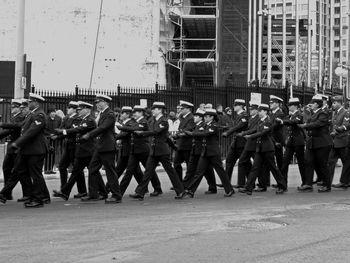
x: 180, y: 157
x: 264, y: 180
x: 151, y: 165
x: 345, y: 173
x: 132, y: 170
x: 122, y: 165
x: 7, y: 168
x: 107, y: 159
x: 29, y: 166
x: 50, y: 156
x: 267, y: 159
x: 77, y: 174
x: 244, y: 167
x: 288, y: 156
x: 191, y: 171
x: 317, y: 160
x: 67, y: 159
x: 203, y: 164
x: 334, y: 155
x: 232, y: 156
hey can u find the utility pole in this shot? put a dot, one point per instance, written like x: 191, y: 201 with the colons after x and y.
x: 19, y: 67
x: 309, y: 42
x: 284, y: 43
x: 254, y: 40
x: 297, y: 43
x: 260, y: 40
x: 249, y: 42
x: 269, y: 40
x: 331, y: 45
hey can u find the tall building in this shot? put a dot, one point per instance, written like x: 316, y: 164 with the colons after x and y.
x: 341, y: 41
x: 308, y: 41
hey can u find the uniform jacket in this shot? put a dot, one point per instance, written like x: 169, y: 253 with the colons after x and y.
x: 104, y: 133
x: 33, y: 140
x: 12, y: 130
x: 317, y: 129
x: 295, y: 134
x: 240, y: 124
x: 277, y: 128
x: 125, y: 138
x: 340, y: 140
x: 252, y: 128
x: 83, y: 148
x: 68, y: 123
x: 210, y: 137
x: 159, y: 135
x: 197, y: 142
x: 138, y: 144
x: 264, y: 142
x: 183, y: 143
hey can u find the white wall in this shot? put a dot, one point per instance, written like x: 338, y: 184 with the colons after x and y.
x: 60, y: 38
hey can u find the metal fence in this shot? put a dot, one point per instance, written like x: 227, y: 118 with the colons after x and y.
x: 130, y: 96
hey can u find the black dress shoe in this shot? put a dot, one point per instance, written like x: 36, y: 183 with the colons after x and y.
x: 220, y: 185
x: 259, y: 190
x: 237, y: 186
x: 33, y: 204
x: 181, y: 195
x: 210, y: 192
x: 79, y: 195
x: 2, y: 199
x: 89, y: 198
x: 46, y: 200
x: 137, y: 196
x: 319, y: 183
x: 274, y: 186
x: 23, y: 199
x: 189, y: 194
x: 280, y: 191
x: 340, y: 186
x: 305, y: 188
x: 155, y: 193
x: 245, y: 191
x: 229, y: 194
x: 62, y: 195
x: 324, y: 189
x: 113, y: 200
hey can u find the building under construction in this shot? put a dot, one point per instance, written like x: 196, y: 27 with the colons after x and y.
x: 209, y: 42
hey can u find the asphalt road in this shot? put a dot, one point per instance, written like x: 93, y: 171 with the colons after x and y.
x: 294, y: 227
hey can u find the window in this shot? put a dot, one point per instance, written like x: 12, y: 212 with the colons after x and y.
x: 344, y: 54
x: 337, y: 21
x: 337, y: 54
x: 344, y: 21
x: 337, y: 10
x: 344, y: 42
x: 336, y: 32
x: 336, y: 43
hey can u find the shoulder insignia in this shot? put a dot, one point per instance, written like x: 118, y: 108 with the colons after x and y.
x: 74, y: 126
x: 141, y: 125
x: 298, y: 118
x: 84, y: 124
x: 211, y: 130
x: 346, y: 119
x: 161, y: 126
x: 201, y: 129
x: 265, y: 127
x: 37, y: 122
x: 244, y: 120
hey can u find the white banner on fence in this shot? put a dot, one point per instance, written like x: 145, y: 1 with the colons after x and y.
x: 143, y: 103
x: 255, y: 98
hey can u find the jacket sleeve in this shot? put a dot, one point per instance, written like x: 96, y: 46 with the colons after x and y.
x: 4, y: 134
x: 90, y: 125
x: 107, y: 123
x: 37, y: 125
x: 11, y: 125
x: 294, y: 122
x: 207, y: 132
x: 241, y: 125
x: 267, y: 129
x: 321, y: 121
x: 163, y: 126
x: 190, y: 126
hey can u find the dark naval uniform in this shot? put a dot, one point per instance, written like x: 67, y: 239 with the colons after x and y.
x: 83, y: 152
x: 318, y: 146
x: 104, y: 154
x: 138, y: 152
x: 12, y: 131
x: 340, y: 141
x: 197, y: 148
x: 244, y: 163
x: 183, y: 144
x: 295, y: 144
x: 159, y: 152
x: 264, y: 155
x: 211, y: 155
x: 240, y: 124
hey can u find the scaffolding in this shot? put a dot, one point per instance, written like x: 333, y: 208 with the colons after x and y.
x: 192, y: 50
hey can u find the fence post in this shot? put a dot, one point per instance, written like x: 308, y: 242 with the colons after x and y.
x: 33, y: 89
x: 157, y: 90
x: 303, y: 86
x: 76, y: 96
x: 193, y: 94
x: 118, y: 90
